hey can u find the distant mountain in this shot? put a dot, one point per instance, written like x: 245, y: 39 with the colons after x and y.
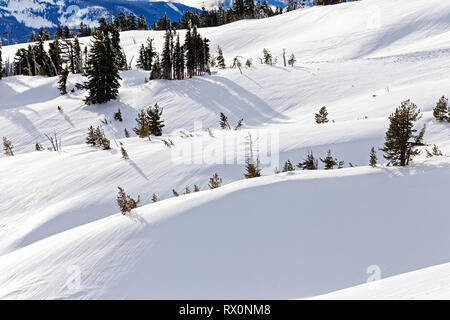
x: 22, y: 16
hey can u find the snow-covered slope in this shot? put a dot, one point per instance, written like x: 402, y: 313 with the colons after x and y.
x: 58, y: 210
x: 430, y: 283
x: 272, y: 237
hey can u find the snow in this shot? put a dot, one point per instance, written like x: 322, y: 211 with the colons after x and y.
x: 430, y: 283
x: 271, y: 237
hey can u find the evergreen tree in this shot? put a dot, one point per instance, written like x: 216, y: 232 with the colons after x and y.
x: 215, y: 181
x: 436, y: 151
x: 118, y: 115
x: 196, y: 188
x: 267, y: 57
x: 441, y: 111
x: 178, y: 60
x: 322, y: 116
x: 7, y: 147
x: 54, y: 58
x: 187, y: 190
x: 124, y: 153
x: 399, y: 147
x: 224, y: 121
x: 62, y: 83
x: 154, y: 198
x: 166, y: 56
x: 127, y: 134
x: 77, y: 56
x: 175, y: 193
x: 288, y: 166
x: 329, y: 161
x: 252, y: 168
x: 142, y: 23
x: 292, y: 60
x: 38, y: 147
x: 220, y: 58
x: 146, y: 55
x: 125, y: 202
x: 156, y: 69
x: 310, y: 163
x: 103, y: 66
x: 91, y: 137
x: 143, y: 125
x: 154, y: 120
x: 373, y: 158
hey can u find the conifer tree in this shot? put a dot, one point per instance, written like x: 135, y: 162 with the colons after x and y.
x: 220, y: 58
x: 322, y: 116
x: 124, y: 153
x: 436, y: 151
x: 288, y: 166
x: 126, y: 202
x: 154, y: 120
x: 104, y: 64
x: 91, y: 137
x: 175, y: 193
x: 143, y: 126
x: 38, y: 147
x: 166, y: 56
x: 224, y: 121
x: 154, y: 198
x: 310, y: 163
x: 252, y: 168
x: 373, y: 158
x: 401, y: 141
x: 196, y: 188
x: 127, y: 134
x: 267, y: 57
x: 329, y: 161
x: 7, y: 147
x: 62, y: 83
x: 77, y: 56
x: 292, y: 60
x: 156, y: 69
x: 1, y: 60
x: 178, y: 60
x: 146, y: 55
x: 118, y: 115
x: 215, y: 181
x: 187, y: 190
x: 441, y: 111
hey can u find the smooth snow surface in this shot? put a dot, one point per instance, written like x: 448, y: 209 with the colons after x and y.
x: 292, y: 235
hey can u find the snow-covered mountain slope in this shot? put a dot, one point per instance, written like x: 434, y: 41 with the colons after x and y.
x: 273, y: 237
x: 58, y: 210
x: 430, y: 283
x: 21, y: 17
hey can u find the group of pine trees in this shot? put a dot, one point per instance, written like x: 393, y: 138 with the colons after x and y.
x: 96, y: 138
x: 35, y: 60
x: 176, y: 60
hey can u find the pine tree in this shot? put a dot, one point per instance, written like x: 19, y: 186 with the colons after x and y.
x: 38, y: 147
x: 154, y: 120
x: 127, y: 134
x: 224, y: 121
x: 142, y: 23
x: 124, y: 153
x: 252, y: 168
x: 220, y: 58
x: 292, y: 60
x: 178, y: 60
x: 7, y: 147
x: 104, y: 64
x: 118, y: 115
x: 125, y: 202
x: 154, y: 198
x: 91, y: 137
x: 175, y: 193
x: 267, y: 57
x: 436, y: 151
x: 441, y: 111
x: 77, y: 56
x: 215, y: 181
x: 156, y: 70
x: 399, y: 147
x: 166, y: 56
x: 329, y: 161
x: 146, y: 55
x: 310, y: 163
x: 373, y: 158
x: 322, y: 116
x: 187, y: 190
x: 288, y: 166
x: 196, y: 188
x: 143, y: 126
x: 63, y: 81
